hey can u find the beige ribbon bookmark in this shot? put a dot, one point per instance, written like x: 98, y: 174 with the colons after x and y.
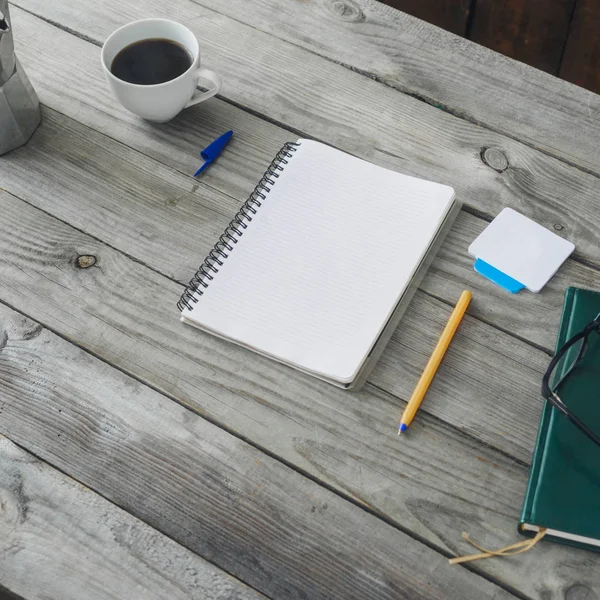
x: 511, y: 550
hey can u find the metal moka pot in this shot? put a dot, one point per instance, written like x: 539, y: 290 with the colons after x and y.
x: 19, y: 104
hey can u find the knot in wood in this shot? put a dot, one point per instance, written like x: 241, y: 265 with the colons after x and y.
x: 85, y: 261
x: 558, y: 227
x: 13, y: 507
x: 580, y: 592
x: 494, y: 158
x: 346, y: 10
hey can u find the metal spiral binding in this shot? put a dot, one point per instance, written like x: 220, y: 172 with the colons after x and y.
x: 205, y: 274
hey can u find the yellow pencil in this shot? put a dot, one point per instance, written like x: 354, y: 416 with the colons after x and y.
x: 434, y: 362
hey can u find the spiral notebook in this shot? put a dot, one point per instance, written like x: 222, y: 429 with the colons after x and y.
x: 319, y: 264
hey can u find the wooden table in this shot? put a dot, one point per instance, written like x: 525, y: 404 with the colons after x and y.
x: 145, y: 459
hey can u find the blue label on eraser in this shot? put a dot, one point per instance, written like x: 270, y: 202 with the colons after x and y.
x: 498, y: 277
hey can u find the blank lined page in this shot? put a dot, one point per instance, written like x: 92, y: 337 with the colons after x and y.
x: 322, y: 265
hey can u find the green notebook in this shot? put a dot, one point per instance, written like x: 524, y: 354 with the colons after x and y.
x: 563, y: 493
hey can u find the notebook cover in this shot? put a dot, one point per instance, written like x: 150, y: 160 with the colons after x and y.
x: 564, y: 481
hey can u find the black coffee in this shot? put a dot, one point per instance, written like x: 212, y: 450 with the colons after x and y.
x: 149, y: 62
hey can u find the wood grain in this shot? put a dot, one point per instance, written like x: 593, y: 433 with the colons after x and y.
x: 533, y: 32
x: 198, y: 220
x: 34, y: 167
x: 343, y: 108
x: 99, y: 308
x: 582, y: 51
x: 451, y: 15
x: 213, y: 493
x: 109, y: 212
x: 161, y: 202
x: 455, y: 74
x: 124, y: 313
x: 58, y: 539
x: 81, y: 92
x: 150, y: 201
x: 49, y: 173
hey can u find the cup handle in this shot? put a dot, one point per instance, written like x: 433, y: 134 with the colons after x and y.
x: 209, y: 76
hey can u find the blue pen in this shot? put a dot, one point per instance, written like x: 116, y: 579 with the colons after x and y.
x: 210, y: 153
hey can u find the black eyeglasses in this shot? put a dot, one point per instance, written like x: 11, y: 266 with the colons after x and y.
x: 568, y: 357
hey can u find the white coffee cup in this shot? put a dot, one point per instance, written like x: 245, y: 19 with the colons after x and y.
x: 163, y: 101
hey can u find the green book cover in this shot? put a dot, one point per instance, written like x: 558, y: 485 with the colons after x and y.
x: 563, y: 493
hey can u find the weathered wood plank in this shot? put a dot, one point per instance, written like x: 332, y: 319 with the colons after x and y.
x: 342, y: 107
x: 150, y: 202
x: 319, y: 391
x: 81, y: 92
x: 36, y: 173
x: 59, y: 539
x: 123, y: 313
x: 49, y: 173
x: 449, y: 72
x: 110, y: 213
x: 461, y: 76
x: 62, y: 142
x: 215, y: 494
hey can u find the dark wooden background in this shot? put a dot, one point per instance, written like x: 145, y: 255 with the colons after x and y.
x: 558, y: 36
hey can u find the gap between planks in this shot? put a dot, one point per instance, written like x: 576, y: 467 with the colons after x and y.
x: 361, y: 505
x: 51, y: 130
x: 467, y: 209
x: 181, y: 426
x: 382, y: 13
x: 459, y: 114
x: 67, y: 339
x: 177, y: 571
x: 520, y: 178
x: 70, y: 227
